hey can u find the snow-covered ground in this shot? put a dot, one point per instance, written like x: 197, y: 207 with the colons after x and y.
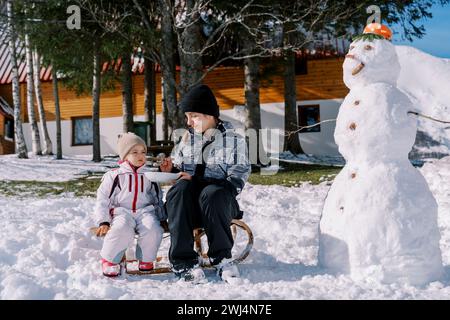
x: 47, y: 252
x: 47, y: 168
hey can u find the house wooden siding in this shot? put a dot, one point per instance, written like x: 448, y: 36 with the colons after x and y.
x: 6, y: 93
x: 6, y: 146
x: 322, y: 81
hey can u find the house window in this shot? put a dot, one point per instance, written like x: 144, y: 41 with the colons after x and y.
x: 82, y: 131
x: 307, y: 116
x: 9, y: 129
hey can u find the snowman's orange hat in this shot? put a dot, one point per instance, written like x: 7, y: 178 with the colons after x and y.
x: 379, y: 29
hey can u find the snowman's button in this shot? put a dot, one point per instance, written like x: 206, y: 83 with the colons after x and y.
x: 356, y: 102
x: 341, y: 208
x: 353, y: 175
x: 352, y: 126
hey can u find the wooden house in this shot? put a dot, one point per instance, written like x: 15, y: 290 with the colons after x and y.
x: 320, y: 91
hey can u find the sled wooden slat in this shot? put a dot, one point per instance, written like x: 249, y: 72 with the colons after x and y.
x: 233, y: 231
x: 154, y: 271
x: 158, y: 270
x: 198, y: 240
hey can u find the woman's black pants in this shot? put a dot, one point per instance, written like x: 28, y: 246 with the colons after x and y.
x: 191, y: 204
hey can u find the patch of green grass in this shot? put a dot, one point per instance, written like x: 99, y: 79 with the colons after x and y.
x: 290, y: 174
x: 294, y: 174
x: 85, y: 186
x: 81, y: 187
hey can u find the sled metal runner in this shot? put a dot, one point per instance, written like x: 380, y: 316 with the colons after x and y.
x: 162, y: 267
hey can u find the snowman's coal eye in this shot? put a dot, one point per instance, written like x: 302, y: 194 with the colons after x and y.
x: 352, y: 47
x: 368, y: 47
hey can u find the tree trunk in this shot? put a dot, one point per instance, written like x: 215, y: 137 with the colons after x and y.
x: 251, y: 89
x: 165, y: 111
x: 96, y: 102
x: 35, y: 137
x: 191, y: 65
x: 173, y: 118
x: 190, y: 61
x: 189, y: 46
x: 252, y: 106
x: 252, y: 122
x: 20, y: 145
x: 150, y: 98
x: 48, y: 148
x: 127, y: 93
x: 57, y: 114
x: 291, y: 142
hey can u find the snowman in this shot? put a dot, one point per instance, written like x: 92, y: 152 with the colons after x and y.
x: 379, y: 220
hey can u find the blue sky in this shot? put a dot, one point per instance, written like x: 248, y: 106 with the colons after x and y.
x: 436, y: 41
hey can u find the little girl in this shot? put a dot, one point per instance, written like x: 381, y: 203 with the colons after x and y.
x: 128, y: 204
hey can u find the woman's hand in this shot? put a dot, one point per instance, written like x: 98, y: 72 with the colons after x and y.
x: 166, y: 165
x: 102, y: 231
x: 185, y: 176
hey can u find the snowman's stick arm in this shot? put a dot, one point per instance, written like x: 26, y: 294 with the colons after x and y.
x: 289, y: 133
x: 427, y: 117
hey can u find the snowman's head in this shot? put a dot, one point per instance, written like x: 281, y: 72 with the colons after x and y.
x: 371, y: 59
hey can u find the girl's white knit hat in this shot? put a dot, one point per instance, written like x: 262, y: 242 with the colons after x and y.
x: 126, y: 142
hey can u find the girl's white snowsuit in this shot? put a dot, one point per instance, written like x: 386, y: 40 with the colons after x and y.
x: 131, y: 204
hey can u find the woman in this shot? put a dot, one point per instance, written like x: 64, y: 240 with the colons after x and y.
x: 214, y: 167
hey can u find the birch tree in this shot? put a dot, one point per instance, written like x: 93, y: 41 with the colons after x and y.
x: 19, y: 139
x: 48, y: 148
x: 35, y: 136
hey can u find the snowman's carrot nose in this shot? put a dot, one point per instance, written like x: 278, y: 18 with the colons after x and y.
x: 358, y: 68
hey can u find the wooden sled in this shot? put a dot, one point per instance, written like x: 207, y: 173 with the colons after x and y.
x: 200, y: 246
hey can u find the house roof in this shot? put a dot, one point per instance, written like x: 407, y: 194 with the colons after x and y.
x: 5, y: 108
x: 46, y: 72
x: 5, y: 61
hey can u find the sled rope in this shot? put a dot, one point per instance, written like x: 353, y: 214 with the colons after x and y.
x: 428, y: 117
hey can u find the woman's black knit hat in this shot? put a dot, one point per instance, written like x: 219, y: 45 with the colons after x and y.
x: 200, y: 99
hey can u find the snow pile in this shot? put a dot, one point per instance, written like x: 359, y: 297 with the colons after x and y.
x: 426, y: 79
x: 437, y: 175
x: 380, y: 218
